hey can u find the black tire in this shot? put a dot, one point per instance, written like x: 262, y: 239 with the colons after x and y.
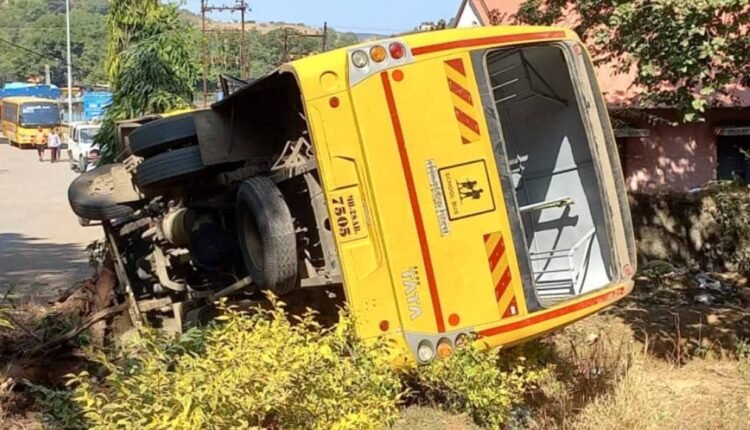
x: 266, y: 235
x: 162, y: 134
x: 90, y: 202
x: 169, y: 167
x: 73, y: 165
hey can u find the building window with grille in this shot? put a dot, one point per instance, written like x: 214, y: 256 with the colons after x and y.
x: 733, y: 158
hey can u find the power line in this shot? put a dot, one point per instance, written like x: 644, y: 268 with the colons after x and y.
x: 58, y: 59
x: 31, y: 51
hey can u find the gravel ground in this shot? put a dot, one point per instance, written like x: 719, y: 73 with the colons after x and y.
x: 42, y: 246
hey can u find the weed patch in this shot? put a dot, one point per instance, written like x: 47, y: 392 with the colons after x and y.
x: 485, y: 385
x: 268, y: 369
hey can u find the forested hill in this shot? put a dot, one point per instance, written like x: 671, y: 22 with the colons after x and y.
x: 39, y: 25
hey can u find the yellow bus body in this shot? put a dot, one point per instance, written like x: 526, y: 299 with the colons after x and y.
x: 384, y: 145
x: 23, y: 135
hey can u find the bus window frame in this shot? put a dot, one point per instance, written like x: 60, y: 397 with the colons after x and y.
x: 584, y: 85
x: 10, y: 107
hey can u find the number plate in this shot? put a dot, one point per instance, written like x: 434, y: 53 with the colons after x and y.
x: 348, y: 222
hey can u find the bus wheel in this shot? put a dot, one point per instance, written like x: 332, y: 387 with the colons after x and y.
x: 162, y: 134
x: 169, y: 166
x: 92, y: 196
x: 266, y: 235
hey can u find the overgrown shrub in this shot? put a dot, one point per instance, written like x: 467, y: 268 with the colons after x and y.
x: 256, y: 370
x: 486, y: 385
x: 57, y: 408
x: 269, y: 369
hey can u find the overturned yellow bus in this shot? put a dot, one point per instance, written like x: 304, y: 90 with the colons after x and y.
x: 455, y: 183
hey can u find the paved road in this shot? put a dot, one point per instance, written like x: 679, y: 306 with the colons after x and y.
x: 42, y: 246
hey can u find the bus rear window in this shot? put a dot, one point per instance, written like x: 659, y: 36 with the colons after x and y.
x: 553, y: 171
x: 39, y: 114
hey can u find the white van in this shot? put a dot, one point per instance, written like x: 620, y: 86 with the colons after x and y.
x: 80, y: 144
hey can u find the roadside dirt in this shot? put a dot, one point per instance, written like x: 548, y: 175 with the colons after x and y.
x: 678, y: 316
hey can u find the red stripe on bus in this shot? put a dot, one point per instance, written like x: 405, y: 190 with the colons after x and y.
x: 502, y: 284
x: 468, y: 121
x: 416, y: 212
x: 497, y: 254
x: 492, y: 40
x: 603, y: 298
x: 460, y: 91
x: 457, y: 65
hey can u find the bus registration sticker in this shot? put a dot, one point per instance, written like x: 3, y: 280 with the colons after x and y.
x: 348, y: 214
x: 467, y: 190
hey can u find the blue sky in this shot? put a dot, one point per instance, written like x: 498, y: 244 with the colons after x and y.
x: 361, y: 16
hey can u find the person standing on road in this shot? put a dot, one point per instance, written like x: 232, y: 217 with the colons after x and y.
x: 54, y: 142
x: 40, y: 143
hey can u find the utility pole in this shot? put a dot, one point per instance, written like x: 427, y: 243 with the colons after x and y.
x: 205, y: 54
x: 239, y: 6
x: 70, y: 67
x: 285, y: 53
x: 242, y: 39
x: 289, y: 32
x: 47, y: 78
x: 325, y: 36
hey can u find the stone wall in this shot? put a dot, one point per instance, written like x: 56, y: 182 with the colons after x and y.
x: 705, y: 230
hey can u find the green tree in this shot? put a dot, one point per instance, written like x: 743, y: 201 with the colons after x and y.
x: 149, y: 61
x: 685, y: 52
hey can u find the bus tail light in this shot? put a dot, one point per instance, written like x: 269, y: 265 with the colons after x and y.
x: 425, y: 352
x: 378, y: 54
x: 397, y: 50
x: 360, y: 59
x: 444, y: 349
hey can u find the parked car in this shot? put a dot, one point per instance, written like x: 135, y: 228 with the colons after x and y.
x: 80, y: 145
x: 455, y: 185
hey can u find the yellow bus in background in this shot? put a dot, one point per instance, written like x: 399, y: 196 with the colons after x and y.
x: 23, y: 116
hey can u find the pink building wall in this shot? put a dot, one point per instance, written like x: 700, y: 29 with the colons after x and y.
x: 677, y: 158
x: 681, y: 157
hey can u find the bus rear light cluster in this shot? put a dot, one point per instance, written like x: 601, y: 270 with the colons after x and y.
x: 369, y: 60
x: 361, y: 58
x: 426, y: 352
